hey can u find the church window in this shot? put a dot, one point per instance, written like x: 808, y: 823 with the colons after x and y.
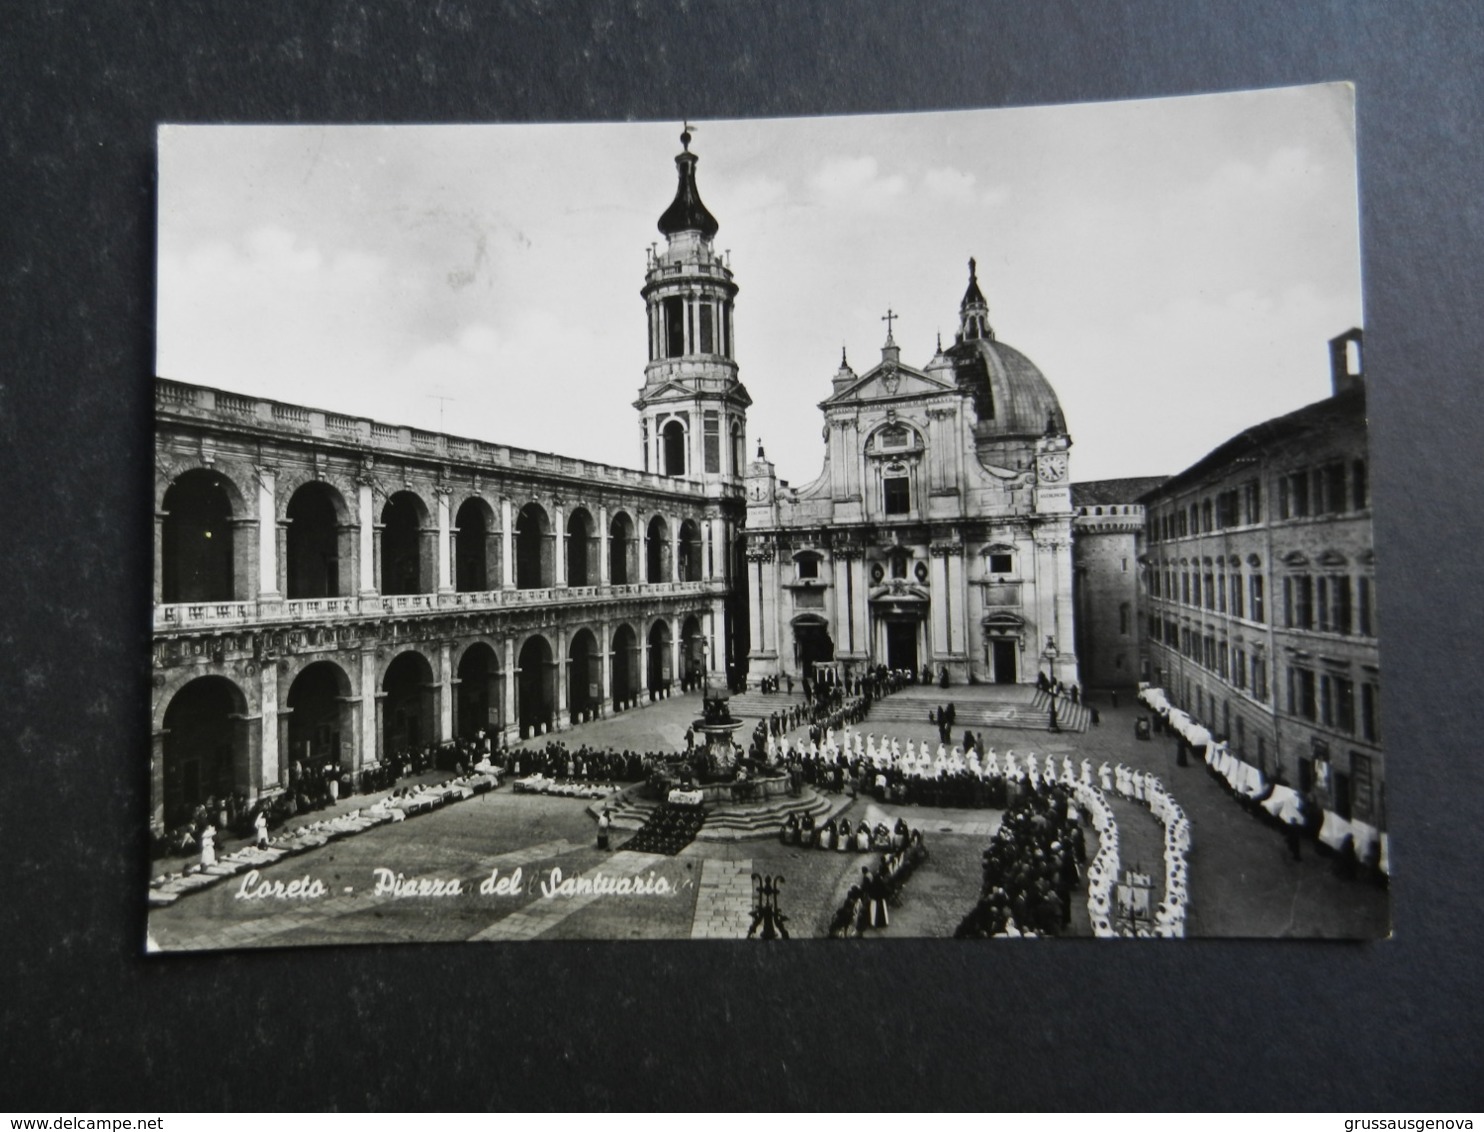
x: 899, y: 565
x: 1206, y: 516
x: 894, y: 436
x: 1001, y: 563
x: 737, y: 460
x: 1123, y: 615
x: 644, y: 429
x: 807, y: 566
x: 1359, y: 498
x: 1257, y: 597
x: 712, y: 436
x: 1363, y: 607
x: 726, y: 329
x: 672, y: 437
x: 897, y: 495
x: 708, y: 344
x: 690, y: 326
x: 674, y: 327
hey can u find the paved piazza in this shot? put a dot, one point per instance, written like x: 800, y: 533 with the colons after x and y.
x: 522, y: 847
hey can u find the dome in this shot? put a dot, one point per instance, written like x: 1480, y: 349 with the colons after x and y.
x: 686, y: 212
x: 1011, y: 394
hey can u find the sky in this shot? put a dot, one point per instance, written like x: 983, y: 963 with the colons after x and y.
x: 1175, y: 267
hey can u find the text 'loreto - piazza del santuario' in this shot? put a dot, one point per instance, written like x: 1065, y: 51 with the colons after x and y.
x: 331, y: 591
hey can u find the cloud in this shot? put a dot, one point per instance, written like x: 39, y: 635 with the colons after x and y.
x: 751, y: 195
x: 856, y: 182
x: 949, y: 184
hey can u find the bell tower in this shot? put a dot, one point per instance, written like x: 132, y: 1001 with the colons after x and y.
x: 693, y: 408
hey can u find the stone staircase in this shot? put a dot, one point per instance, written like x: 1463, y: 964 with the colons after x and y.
x: 1028, y: 715
x: 735, y: 822
x: 759, y: 705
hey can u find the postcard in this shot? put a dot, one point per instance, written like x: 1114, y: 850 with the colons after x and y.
x: 934, y: 525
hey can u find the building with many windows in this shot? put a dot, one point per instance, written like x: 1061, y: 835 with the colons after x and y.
x: 939, y: 533
x: 1259, y: 603
x: 330, y: 590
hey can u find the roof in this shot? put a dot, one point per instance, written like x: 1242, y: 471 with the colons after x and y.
x: 1011, y: 394
x: 1342, y: 408
x: 1097, y: 493
x: 686, y: 212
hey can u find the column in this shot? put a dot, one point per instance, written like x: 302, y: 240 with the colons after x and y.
x: 676, y: 644
x: 770, y: 603
x: 445, y: 543
x: 605, y: 670
x: 675, y: 551
x: 561, y: 669
x: 643, y: 681
x: 716, y: 660
x: 939, y: 591
x: 754, y: 602
x: 507, y: 550
x: 958, y: 625
x: 282, y: 543
x: 268, y: 776
x: 559, y: 567
x: 445, y: 692
x: 860, y: 608
x: 159, y: 556
x: 604, y: 578
x: 840, y: 570
x: 267, y: 537
x: 368, y: 756
x: 369, y: 542
x: 378, y: 724
x: 157, y: 781
x: 508, y: 703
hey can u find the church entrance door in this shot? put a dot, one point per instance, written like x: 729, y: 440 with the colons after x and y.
x: 814, y: 646
x: 1005, y: 668
x: 901, y: 645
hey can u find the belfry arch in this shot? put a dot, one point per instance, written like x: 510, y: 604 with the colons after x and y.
x: 661, y: 663
x: 623, y: 551
x: 688, y: 552
x: 407, y: 546
x: 206, y: 753
x: 584, y: 675
x: 476, y: 548
x: 657, y: 551
x: 478, y: 693
x: 582, y: 548
x: 321, y: 719
x: 200, y: 558
x: 533, y: 548
x: 319, y: 543
x: 409, y: 707
x: 624, y: 673
x: 535, y: 687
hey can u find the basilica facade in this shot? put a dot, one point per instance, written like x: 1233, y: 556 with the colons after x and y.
x: 938, y: 535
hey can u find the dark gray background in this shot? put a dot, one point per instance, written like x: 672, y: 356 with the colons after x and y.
x: 86, y: 1021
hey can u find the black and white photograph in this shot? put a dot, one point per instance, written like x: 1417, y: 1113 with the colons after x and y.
x: 938, y: 525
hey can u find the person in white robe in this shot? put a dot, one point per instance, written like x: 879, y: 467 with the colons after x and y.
x: 1105, y: 779
x: 208, y: 846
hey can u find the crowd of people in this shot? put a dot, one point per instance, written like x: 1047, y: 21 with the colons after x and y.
x: 868, y: 902
x: 1032, y: 868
